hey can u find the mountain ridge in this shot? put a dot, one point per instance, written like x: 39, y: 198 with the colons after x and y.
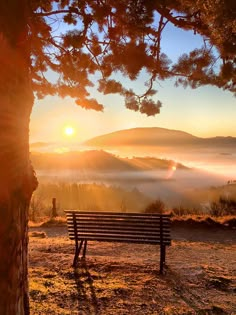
x: 155, y: 136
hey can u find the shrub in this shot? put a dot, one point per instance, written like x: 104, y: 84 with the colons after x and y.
x: 157, y: 206
x: 36, y: 208
x: 180, y: 211
x: 216, y: 209
x: 224, y: 206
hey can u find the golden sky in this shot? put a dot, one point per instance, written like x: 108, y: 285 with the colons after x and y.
x: 203, y: 112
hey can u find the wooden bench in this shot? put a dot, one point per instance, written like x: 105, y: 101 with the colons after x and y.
x: 138, y: 228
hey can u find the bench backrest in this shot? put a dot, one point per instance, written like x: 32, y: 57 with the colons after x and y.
x: 121, y: 227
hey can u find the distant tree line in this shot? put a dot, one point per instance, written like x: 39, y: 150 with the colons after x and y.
x: 85, y: 197
x: 99, y: 197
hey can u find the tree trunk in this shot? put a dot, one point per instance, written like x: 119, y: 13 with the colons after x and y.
x: 17, y: 180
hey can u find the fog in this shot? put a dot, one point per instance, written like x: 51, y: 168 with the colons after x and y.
x: 170, y: 186
x: 207, y: 168
x: 216, y: 160
x: 219, y: 160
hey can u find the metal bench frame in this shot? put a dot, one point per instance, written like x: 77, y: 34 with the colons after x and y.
x: 140, y: 228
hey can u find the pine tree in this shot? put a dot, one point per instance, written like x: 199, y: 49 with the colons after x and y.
x: 74, y: 40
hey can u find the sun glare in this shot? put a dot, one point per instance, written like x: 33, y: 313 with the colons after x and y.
x: 69, y: 131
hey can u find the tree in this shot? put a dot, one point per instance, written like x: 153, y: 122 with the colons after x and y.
x: 98, y: 36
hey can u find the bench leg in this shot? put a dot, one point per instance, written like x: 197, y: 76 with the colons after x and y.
x: 77, y: 251
x: 162, y: 258
x: 85, y: 247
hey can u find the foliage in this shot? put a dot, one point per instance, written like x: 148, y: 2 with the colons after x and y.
x: 87, y: 197
x: 181, y: 210
x: 76, y: 40
x: 157, y: 206
x: 224, y: 206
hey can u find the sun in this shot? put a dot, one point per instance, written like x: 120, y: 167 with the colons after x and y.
x: 69, y: 131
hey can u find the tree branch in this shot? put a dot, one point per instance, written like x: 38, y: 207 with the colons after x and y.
x: 53, y: 12
x: 51, y: 41
x: 96, y: 60
x: 179, y: 21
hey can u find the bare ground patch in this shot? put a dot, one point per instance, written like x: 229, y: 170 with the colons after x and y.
x: 124, y: 279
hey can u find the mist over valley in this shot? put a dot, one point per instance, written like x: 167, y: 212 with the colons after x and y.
x: 177, y: 174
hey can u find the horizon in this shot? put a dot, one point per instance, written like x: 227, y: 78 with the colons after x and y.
x: 206, y: 120
x: 73, y: 139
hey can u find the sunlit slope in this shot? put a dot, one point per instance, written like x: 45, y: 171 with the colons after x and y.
x: 90, y: 160
x: 95, y: 160
x: 151, y: 163
x: 157, y: 137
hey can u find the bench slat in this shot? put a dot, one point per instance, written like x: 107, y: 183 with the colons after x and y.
x: 110, y: 221
x: 114, y: 214
x: 120, y: 230
x: 98, y: 219
x: 121, y: 235
x: 124, y: 225
x: 129, y: 228
x: 125, y: 240
x: 118, y: 222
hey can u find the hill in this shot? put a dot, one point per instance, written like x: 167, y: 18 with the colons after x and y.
x: 142, y: 136
x: 99, y: 161
x: 156, y: 137
x: 151, y: 163
x: 92, y: 160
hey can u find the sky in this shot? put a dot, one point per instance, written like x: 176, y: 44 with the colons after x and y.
x: 204, y: 112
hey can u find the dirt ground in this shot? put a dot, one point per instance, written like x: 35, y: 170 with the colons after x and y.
x: 124, y: 279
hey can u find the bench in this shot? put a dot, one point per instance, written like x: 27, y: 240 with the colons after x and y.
x: 141, y: 228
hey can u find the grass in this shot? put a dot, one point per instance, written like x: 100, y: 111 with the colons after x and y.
x: 123, y: 279
x: 205, y: 221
